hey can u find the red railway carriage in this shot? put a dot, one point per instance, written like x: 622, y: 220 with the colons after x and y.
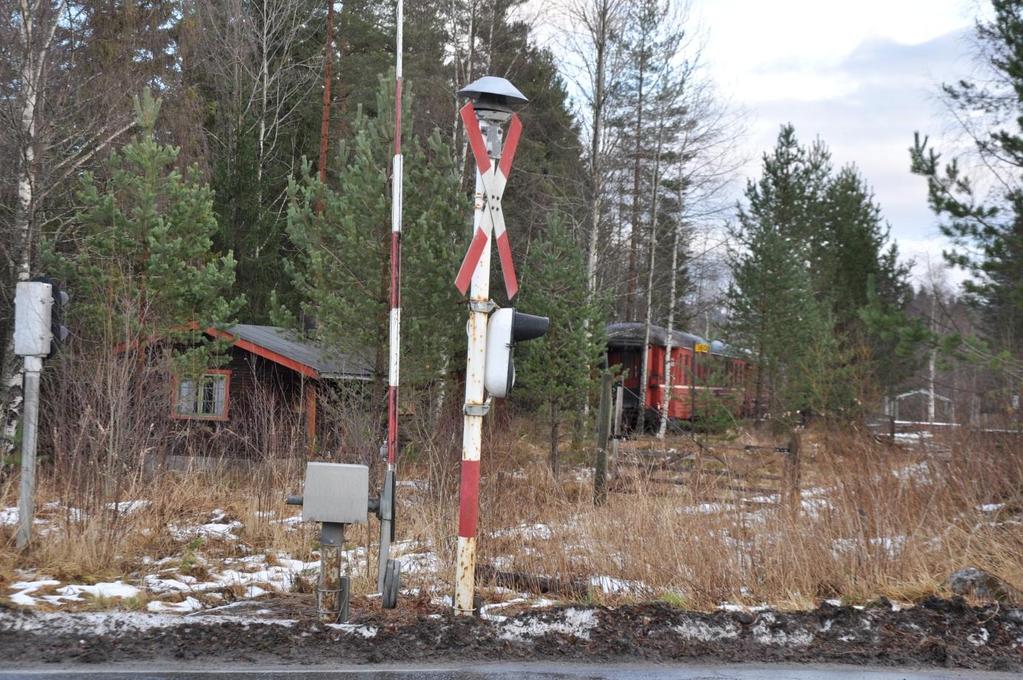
x: 700, y: 381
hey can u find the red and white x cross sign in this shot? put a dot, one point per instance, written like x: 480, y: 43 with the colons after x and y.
x: 495, y: 177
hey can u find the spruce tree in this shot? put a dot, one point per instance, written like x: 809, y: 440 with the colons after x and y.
x: 554, y: 372
x: 775, y: 312
x: 145, y: 269
x: 341, y: 233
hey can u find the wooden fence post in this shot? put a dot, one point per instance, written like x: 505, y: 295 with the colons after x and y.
x: 603, y: 433
x: 792, y: 472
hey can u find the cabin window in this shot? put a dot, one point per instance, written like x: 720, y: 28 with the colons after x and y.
x: 205, y: 398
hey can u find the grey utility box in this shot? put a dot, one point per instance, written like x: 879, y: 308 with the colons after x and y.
x: 335, y: 492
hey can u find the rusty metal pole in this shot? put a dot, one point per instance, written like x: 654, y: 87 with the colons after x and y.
x: 474, y: 410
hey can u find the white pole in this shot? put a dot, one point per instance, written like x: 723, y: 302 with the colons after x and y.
x: 472, y: 422
x: 30, y: 422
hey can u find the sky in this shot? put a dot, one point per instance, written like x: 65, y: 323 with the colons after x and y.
x: 862, y: 76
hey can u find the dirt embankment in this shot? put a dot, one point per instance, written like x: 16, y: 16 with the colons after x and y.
x: 936, y: 632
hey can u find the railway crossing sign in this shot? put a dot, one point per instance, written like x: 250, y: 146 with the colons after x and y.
x: 495, y: 178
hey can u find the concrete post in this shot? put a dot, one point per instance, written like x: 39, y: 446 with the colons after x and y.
x: 30, y: 424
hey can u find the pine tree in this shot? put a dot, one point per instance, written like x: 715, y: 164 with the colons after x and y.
x: 987, y: 232
x: 145, y: 268
x: 554, y: 371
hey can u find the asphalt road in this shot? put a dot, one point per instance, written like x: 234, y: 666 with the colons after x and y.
x: 535, y: 671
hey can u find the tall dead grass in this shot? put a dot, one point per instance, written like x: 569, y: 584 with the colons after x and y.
x: 875, y: 520
x: 878, y: 521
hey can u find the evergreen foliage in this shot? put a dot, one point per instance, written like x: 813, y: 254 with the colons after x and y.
x: 987, y: 230
x: 341, y: 232
x: 814, y: 279
x: 555, y: 371
x: 145, y: 268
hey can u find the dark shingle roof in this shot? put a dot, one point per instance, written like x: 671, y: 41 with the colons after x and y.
x: 633, y: 332
x: 291, y: 345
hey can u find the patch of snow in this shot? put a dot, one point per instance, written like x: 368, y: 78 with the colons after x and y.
x: 9, y: 516
x: 209, y: 530
x: 889, y: 545
x: 574, y: 622
x: 159, y: 586
x: 834, y: 602
x: 979, y: 639
x: 353, y: 629
x: 525, y: 532
x: 120, y: 623
x: 610, y: 585
x: 705, y: 508
x: 25, y: 589
x: 189, y: 604
x: 116, y: 589
x: 128, y: 507
x: 497, y: 618
x: 814, y: 506
x: 696, y: 629
x: 419, y: 563
x: 292, y: 521
x: 764, y: 634
x: 990, y: 507
x: 920, y: 472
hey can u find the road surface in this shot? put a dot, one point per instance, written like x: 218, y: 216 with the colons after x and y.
x: 468, y: 671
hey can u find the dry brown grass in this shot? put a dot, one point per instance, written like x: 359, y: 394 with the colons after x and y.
x: 882, y: 521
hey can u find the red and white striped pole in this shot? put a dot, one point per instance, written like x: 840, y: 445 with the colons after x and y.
x: 474, y: 410
x: 490, y: 108
x: 394, y: 332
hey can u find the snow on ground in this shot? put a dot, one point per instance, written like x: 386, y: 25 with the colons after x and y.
x: 610, y: 585
x: 221, y: 530
x: 696, y: 629
x: 917, y: 472
x: 765, y: 633
x: 100, y: 623
x: 575, y: 622
x: 186, y: 606
x: 525, y: 532
x: 889, y: 545
x: 116, y: 589
x: 128, y: 507
x: 24, y: 589
x: 353, y: 629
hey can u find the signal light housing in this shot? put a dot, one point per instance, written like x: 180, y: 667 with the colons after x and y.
x: 505, y: 328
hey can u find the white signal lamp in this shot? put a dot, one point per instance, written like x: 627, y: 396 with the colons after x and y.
x: 506, y: 327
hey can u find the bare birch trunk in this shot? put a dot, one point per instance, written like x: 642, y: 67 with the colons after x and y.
x: 669, y: 363
x: 596, y: 143
x: 654, y: 203
x: 35, y: 46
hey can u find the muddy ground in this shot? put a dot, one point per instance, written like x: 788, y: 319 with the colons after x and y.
x: 935, y: 632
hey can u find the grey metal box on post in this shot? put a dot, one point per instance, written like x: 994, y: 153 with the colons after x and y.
x: 336, y: 493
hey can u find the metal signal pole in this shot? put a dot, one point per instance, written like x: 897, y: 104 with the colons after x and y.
x: 493, y: 100
x: 394, y: 333
x: 474, y: 410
